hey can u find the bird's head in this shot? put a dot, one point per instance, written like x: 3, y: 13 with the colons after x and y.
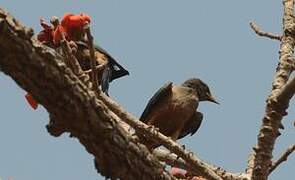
x: 201, y: 88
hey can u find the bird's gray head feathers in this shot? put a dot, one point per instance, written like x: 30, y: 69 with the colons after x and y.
x: 201, y: 88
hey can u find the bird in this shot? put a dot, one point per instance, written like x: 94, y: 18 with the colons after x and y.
x: 71, y: 26
x: 173, y: 110
x: 112, y: 69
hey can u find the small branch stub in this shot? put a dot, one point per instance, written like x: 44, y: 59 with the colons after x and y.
x: 283, y: 158
x: 259, y: 32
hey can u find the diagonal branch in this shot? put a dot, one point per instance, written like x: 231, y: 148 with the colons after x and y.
x: 93, y: 59
x: 76, y: 109
x: 174, y: 161
x: 42, y: 72
x: 259, y: 32
x: 283, y: 158
x: 71, y: 59
x: 192, y: 160
x: 276, y: 105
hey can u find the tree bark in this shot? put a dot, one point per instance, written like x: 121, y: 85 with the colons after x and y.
x: 276, y: 104
x: 72, y: 106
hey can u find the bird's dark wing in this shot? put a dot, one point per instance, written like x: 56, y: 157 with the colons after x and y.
x: 192, y: 126
x: 105, y: 80
x: 116, y: 69
x: 158, y: 96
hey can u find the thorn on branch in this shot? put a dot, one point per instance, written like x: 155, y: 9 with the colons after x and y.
x: 283, y: 158
x: 259, y: 32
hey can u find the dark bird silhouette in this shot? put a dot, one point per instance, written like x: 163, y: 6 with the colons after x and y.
x: 73, y: 28
x: 112, y: 69
x: 173, y: 110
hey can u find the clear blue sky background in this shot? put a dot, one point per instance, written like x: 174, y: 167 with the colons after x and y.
x: 157, y: 41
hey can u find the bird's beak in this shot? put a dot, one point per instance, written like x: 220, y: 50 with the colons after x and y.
x: 212, y: 99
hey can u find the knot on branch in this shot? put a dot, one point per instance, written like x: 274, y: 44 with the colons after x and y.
x: 53, y: 128
x: 289, y: 28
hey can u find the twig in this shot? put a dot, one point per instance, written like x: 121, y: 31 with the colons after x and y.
x: 72, y: 60
x: 259, y: 32
x: 98, y: 68
x: 174, y: 161
x: 283, y: 158
x: 92, y: 56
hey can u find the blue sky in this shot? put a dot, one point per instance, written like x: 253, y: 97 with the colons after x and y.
x: 158, y: 41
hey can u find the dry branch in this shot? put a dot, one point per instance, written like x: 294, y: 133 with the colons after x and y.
x: 192, y: 160
x: 92, y: 56
x: 283, y: 158
x: 94, y: 119
x: 73, y: 107
x: 259, y: 32
x: 276, y: 105
x: 72, y: 61
x: 98, y: 68
x: 174, y: 161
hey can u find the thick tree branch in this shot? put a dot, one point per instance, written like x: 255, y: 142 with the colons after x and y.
x: 41, y: 71
x: 283, y: 158
x: 95, y: 120
x: 276, y: 105
x: 259, y: 32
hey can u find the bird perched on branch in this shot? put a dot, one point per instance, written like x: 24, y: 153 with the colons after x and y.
x: 173, y: 110
x: 72, y: 27
x: 111, y: 69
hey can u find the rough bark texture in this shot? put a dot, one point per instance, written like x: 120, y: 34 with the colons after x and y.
x: 72, y: 106
x: 101, y: 125
x: 93, y: 118
x: 275, y: 105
